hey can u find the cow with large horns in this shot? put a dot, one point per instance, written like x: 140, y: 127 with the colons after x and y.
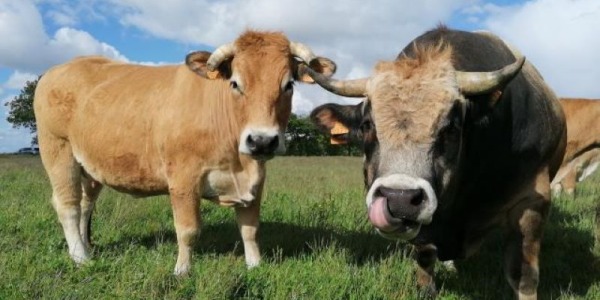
x: 460, y: 135
x: 199, y: 130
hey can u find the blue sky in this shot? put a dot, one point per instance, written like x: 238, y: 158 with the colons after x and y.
x: 558, y: 36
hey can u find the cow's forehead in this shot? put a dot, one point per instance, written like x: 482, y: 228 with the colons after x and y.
x: 410, y: 95
x: 262, y: 56
x: 256, y: 47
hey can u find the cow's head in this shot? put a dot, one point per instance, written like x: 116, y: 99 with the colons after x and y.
x: 260, y: 68
x: 411, y: 126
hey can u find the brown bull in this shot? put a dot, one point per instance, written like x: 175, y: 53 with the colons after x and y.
x: 203, y: 129
x: 582, y: 157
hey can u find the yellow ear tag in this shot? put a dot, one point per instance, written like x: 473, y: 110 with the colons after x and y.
x: 336, y: 134
x: 212, y: 74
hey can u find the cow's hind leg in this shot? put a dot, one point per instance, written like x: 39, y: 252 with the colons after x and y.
x: 570, y: 181
x: 91, y: 190
x: 248, y: 221
x: 526, y: 222
x: 65, y: 176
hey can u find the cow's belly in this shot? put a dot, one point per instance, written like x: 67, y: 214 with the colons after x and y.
x: 128, y: 172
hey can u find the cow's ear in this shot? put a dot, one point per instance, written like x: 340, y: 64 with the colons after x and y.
x: 340, y: 122
x: 196, y: 61
x: 321, y: 65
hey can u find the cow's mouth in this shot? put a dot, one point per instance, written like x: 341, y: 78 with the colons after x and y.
x: 388, y: 225
x: 263, y: 156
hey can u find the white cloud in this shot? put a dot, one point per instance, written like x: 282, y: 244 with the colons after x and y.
x: 355, y: 34
x: 26, y: 47
x: 362, y: 31
x: 63, y: 15
x: 560, y: 37
x: 17, y: 80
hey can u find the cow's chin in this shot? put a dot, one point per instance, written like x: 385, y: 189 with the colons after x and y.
x: 262, y: 157
x: 389, y: 226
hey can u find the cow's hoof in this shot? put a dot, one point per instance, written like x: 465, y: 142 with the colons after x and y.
x: 252, y: 264
x: 80, y: 258
x: 181, y: 271
x: 450, y: 266
x: 428, y: 292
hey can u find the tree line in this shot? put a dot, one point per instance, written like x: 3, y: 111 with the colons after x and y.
x: 302, y: 137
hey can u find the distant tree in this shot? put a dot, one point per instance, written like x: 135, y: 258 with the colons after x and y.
x: 20, y: 112
x: 304, y: 139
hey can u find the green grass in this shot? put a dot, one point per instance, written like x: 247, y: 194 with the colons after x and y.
x: 315, y: 239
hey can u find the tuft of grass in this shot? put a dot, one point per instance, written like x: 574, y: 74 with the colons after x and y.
x: 315, y: 241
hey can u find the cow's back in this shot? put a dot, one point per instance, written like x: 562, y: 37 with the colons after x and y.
x: 111, y: 114
x: 61, y: 88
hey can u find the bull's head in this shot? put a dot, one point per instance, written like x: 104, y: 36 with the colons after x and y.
x: 412, y: 128
x: 260, y: 69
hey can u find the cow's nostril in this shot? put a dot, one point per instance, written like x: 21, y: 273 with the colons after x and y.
x: 403, y: 203
x: 251, y: 143
x: 417, y: 197
x: 274, y: 143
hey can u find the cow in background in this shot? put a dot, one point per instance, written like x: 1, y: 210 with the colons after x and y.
x: 201, y: 129
x: 582, y: 157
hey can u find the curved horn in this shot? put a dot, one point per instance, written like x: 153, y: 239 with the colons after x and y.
x: 348, y: 88
x: 222, y: 53
x: 475, y: 83
x: 302, y: 51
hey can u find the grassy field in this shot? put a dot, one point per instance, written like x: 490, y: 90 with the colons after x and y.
x: 315, y: 240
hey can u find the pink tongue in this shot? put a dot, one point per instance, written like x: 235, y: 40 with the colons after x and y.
x: 377, y: 215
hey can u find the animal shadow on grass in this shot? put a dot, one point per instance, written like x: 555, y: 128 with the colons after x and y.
x: 276, y: 241
x: 567, y: 264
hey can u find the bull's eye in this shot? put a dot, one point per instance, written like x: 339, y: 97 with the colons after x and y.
x: 366, y: 126
x: 289, y: 86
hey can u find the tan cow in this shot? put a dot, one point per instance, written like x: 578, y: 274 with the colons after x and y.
x: 203, y: 129
x: 583, y: 144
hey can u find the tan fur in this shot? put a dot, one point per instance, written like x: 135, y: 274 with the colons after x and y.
x: 399, y: 89
x: 583, y: 141
x: 162, y: 130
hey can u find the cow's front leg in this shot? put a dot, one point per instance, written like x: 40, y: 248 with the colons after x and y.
x: 248, y: 221
x: 426, y: 257
x: 186, y: 215
x: 526, y: 223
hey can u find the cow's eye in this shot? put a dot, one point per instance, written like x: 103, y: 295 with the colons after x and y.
x: 289, y: 86
x: 453, y: 132
x: 234, y: 85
